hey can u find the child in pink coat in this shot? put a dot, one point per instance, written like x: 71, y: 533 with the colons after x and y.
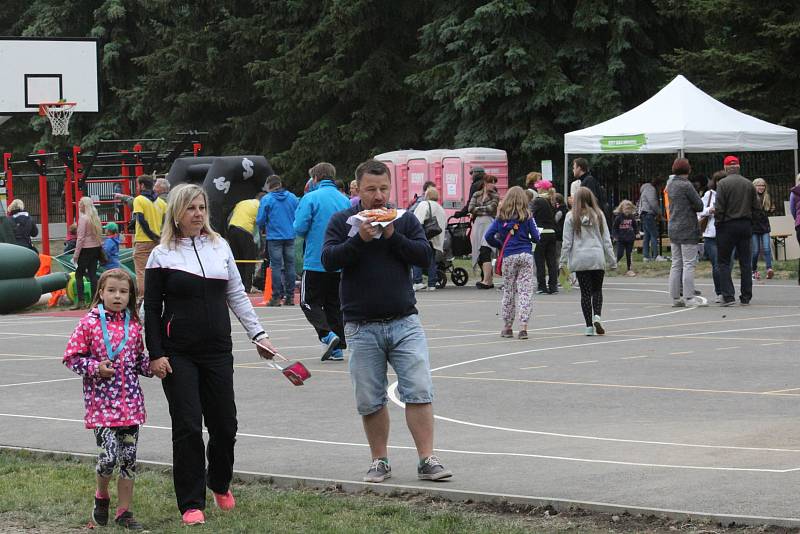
x: 107, y: 349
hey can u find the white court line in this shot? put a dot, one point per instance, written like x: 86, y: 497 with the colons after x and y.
x: 392, y: 392
x: 24, y: 355
x: 579, y: 363
x: 771, y: 344
x: 38, y: 382
x: 534, y: 367
x: 781, y: 391
x: 457, y: 451
x: 727, y: 348
x: 635, y: 357
x: 34, y: 359
x: 681, y: 353
x: 479, y: 373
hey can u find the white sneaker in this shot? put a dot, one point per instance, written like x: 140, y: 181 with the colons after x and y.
x: 661, y: 258
x: 718, y: 299
x: 678, y: 303
x: 418, y: 287
x: 431, y: 288
x: 696, y: 302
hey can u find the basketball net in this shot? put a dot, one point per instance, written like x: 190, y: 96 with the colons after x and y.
x: 59, y: 114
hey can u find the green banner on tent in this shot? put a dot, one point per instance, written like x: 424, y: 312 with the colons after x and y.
x: 623, y: 142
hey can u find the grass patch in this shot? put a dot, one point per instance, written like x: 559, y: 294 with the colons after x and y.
x: 50, y: 493
x: 54, y: 494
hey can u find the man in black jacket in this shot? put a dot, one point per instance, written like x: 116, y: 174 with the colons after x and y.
x: 734, y: 207
x: 381, y: 321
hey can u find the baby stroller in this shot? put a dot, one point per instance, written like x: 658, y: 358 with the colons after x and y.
x: 456, y: 243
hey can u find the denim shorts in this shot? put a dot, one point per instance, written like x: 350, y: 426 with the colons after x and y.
x: 399, y: 342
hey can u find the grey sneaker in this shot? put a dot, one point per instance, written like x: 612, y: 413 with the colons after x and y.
x: 379, y: 471
x: 432, y: 469
x: 678, y: 303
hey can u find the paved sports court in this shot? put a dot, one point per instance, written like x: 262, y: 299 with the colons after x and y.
x: 687, y: 410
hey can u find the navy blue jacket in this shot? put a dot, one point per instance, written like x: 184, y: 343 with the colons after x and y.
x: 376, y: 277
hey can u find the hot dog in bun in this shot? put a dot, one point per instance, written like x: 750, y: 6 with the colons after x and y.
x: 379, y: 215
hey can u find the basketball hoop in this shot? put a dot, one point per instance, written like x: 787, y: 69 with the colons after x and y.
x: 59, y: 114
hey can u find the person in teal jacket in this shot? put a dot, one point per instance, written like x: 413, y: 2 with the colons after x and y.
x: 319, y: 290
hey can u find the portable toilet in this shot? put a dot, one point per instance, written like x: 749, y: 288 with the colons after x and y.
x: 397, y: 161
x: 456, y: 167
x: 423, y: 166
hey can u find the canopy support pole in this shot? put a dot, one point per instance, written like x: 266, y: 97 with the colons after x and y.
x: 795, y: 164
x: 566, y: 180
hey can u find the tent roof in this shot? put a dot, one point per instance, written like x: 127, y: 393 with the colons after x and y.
x: 680, y: 116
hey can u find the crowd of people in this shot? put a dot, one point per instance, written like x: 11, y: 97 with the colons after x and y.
x: 187, y: 279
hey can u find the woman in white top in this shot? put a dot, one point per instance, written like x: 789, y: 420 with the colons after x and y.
x: 710, y: 232
x: 430, y: 207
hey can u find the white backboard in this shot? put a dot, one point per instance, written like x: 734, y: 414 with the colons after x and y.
x: 40, y: 69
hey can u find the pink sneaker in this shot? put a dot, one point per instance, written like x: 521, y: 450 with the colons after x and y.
x: 225, y: 501
x: 193, y: 517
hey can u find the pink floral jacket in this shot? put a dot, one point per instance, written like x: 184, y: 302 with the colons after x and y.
x: 115, y: 401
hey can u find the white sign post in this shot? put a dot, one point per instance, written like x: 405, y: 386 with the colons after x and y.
x: 547, y: 170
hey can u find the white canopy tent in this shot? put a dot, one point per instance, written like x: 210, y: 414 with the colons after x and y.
x: 679, y: 118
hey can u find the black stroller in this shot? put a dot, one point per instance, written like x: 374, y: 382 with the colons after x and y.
x: 456, y: 243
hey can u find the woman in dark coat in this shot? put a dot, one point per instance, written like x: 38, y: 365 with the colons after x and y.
x: 24, y: 227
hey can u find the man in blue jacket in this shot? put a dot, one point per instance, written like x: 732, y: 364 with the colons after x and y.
x: 319, y: 290
x: 276, y: 215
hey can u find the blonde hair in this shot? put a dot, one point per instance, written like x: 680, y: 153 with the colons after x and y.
x: 766, y: 200
x: 18, y: 205
x: 432, y: 194
x: 86, y: 207
x: 177, y: 204
x: 514, y: 205
x: 585, y: 204
x: 531, y: 178
x: 626, y: 207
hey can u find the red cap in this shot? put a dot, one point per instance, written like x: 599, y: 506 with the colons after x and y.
x: 731, y: 160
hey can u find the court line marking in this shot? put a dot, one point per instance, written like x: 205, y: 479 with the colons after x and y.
x: 727, y: 348
x: 777, y: 393
x: 392, y: 393
x: 681, y: 353
x: 579, y: 363
x: 39, y: 382
x: 534, y: 367
x: 770, y: 344
x: 635, y: 357
x: 479, y: 373
x: 455, y: 451
x: 34, y: 359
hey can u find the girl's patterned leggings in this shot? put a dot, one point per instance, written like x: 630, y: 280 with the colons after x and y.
x: 117, y: 445
x: 517, y: 287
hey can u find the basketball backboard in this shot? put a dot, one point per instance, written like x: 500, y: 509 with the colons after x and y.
x: 46, y: 69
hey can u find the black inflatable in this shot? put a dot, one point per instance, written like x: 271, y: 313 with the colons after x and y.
x: 189, y: 170
x: 228, y: 180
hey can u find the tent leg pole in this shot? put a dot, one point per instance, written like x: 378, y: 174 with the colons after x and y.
x: 795, y: 164
x: 566, y: 180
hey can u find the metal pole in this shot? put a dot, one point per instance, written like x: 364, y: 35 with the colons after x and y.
x: 10, y: 177
x: 566, y: 180
x: 795, y: 164
x: 43, y: 214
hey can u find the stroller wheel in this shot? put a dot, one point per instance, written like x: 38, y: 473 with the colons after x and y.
x: 460, y: 276
x: 441, y: 279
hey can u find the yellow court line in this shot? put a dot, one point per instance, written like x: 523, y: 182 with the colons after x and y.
x: 622, y: 386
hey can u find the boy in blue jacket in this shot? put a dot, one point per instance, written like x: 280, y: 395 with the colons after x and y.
x: 111, y: 246
x: 319, y: 290
x: 276, y: 216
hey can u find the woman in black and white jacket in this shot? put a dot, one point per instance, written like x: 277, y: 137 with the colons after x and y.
x: 190, y: 281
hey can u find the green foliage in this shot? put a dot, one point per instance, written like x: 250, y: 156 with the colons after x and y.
x: 302, y: 81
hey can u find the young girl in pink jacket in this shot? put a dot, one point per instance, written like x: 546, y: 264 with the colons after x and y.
x: 107, y: 349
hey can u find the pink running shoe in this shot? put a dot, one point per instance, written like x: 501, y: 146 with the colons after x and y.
x: 193, y: 517
x: 225, y: 501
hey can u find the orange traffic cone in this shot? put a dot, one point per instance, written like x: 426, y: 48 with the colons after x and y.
x: 267, y: 295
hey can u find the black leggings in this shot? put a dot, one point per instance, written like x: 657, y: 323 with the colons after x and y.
x: 591, y: 283
x: 87, y: 264
x: 625, y: 247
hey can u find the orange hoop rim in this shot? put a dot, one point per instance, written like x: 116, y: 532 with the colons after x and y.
x: 44, y: 105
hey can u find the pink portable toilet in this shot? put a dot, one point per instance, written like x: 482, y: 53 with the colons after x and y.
x: 452, y: 194
x: 493, y: 160
x: 423, y: 166
x: 397, y: 161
